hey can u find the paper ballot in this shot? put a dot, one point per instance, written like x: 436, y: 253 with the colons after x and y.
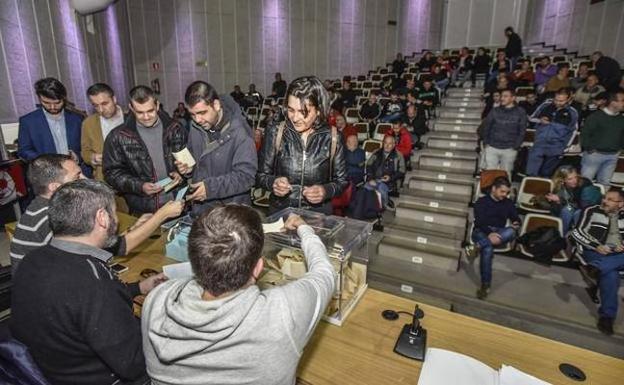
x: 178, y: 270
x: 274, y: 227
x: 443, y: 367
x: 184, y: 156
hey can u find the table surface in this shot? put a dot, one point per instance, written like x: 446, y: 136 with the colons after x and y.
x: 361, y: 350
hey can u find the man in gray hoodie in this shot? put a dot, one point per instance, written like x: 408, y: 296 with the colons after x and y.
x: 502, y: 132
x: 219, y: 328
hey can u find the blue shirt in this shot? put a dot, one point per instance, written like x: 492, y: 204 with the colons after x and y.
x: 58, y: 131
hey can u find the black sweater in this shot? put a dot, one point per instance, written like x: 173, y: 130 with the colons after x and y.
x: 76, y: 319
x: 493, y: 214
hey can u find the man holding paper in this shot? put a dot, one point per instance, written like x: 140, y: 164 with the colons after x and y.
x: 138, y: 159
x: 221, y: 156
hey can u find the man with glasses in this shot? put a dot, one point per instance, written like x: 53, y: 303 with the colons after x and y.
x: 600, y: 233
x: 50, y: 129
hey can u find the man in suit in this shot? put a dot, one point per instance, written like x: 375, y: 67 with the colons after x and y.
x: 50, y: 129
x: 96, y: 127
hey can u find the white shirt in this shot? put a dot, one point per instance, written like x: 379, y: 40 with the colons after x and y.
x: 108, y: 124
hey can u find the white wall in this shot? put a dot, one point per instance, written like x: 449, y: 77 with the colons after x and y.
x: 481, y: 22
x: 579, y: 26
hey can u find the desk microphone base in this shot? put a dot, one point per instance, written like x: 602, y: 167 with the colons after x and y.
x: 412, y: 344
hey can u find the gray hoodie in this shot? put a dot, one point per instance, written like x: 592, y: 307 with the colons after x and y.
x: 250, y: 337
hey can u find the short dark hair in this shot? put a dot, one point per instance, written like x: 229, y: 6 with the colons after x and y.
x: 200, y: 91
x: 509, y: 29
x: 46, y: 169
x: 501, y: 181
x: 98, y: 88
x: 561, y: 66
x: 310, y: 89
x: 564, y: 91
x: 224, y: 246
x: 50, y: 88
x: 613, y: 95
x: 510, y: 90
x: 74, y: 205
x: 618, y: 191
x: 141, y: 94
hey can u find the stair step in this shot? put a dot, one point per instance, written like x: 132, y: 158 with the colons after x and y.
x: 455, y: 128
x: 446, y: 165
x: 459, y: 114
x: 434, y: 205
x: 444, y: 225
x: 450, y: 154
x: 449, y: 135
x: 439, y: 177
x: 428, y: 249
x: 460, y: 103
x: 459, y: 121
x: 441, y: 190
x: 452, y: 145
x: 464, y: 91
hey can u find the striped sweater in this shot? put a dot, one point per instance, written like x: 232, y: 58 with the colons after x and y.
x: 32, y: 231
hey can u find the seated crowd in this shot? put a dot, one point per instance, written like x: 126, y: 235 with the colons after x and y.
x: 568, y: 127
x: 76, y: 318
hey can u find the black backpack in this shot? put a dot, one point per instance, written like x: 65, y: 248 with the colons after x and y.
x: 544, y: 243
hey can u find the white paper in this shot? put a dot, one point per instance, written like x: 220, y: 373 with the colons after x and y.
x: 274, y: 227
x: 512, y: 376
x: 443, y: 367
x: 178, y: 270
x: 185, y: 156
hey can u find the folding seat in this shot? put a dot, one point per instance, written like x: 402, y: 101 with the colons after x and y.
x: 362, y: 130
x: 531, y: 187
x: 369, y: 146
x: 352, y: 116
x: 380, y: 130
x: 533, y: 222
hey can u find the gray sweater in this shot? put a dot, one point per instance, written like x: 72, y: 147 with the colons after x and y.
x: 504, y: 128
x: 250, y: 337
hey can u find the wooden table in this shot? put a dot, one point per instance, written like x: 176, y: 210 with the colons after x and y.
x: 361, y: 351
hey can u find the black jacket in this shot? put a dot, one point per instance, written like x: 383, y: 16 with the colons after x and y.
x: 127, y: 163
x: 380, y: 165
x: 514, y: 46
x: 482, y: 64
x: 302, y: 166
x: 608, y: 71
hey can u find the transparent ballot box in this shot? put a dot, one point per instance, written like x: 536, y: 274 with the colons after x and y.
x: 346, y: 241
x: 176, y: 233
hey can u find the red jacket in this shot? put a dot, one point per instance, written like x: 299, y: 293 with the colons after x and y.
x: 403, y: 141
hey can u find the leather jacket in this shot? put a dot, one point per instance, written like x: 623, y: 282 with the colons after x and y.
x: 127, y: 164
x: 303, y: 166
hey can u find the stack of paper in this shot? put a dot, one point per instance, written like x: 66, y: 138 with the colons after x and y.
x: 443, y: 367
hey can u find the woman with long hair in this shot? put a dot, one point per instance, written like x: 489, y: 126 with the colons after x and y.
x: 566, y: 199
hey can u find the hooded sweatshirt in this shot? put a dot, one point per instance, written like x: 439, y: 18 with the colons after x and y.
x: 250, y: 337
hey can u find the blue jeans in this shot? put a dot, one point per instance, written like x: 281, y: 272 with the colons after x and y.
x: 599, y: 166
x: 392, y: 116
x: 480, y: 238
x: 543, y: 161
x: 442, y: 84
x: 381, y: 188
x: 569, y: 218
x: 609, y: 281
